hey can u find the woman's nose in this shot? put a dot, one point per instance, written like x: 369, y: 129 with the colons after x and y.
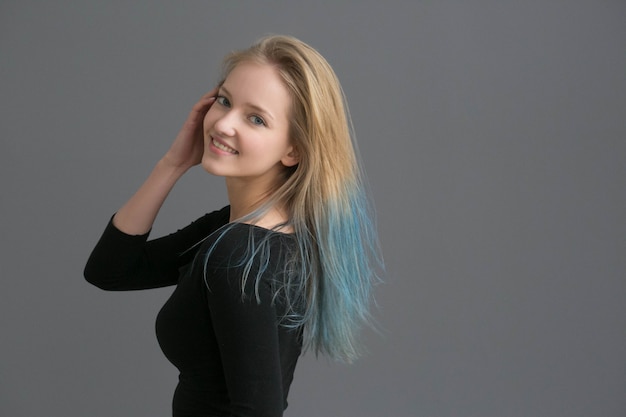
x: 225, y: 125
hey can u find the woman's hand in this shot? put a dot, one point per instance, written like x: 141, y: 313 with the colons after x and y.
x: 188, y: 147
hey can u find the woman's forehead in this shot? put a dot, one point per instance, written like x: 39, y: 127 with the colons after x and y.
x: 257, y: 85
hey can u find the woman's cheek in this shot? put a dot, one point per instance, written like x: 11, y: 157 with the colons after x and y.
x: 208, y: 118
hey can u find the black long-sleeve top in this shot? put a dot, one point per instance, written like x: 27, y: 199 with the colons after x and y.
x: 234, y: 357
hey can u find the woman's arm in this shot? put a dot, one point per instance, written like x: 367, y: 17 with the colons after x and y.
x: 121, y: 261
x: 247, y: 334
x: 246, y: 327
x: 137, y: 216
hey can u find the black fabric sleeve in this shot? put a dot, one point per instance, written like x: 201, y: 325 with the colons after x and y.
x: 121, y: 262
x: 246, y: 329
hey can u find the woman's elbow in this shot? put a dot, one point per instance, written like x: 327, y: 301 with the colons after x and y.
x: 97, y: 278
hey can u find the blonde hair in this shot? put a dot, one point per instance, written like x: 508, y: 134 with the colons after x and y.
x: 332, y: 271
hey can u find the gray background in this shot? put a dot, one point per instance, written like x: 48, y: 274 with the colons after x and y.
x: 493, y: 134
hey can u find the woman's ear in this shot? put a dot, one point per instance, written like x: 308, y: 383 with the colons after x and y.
x: 291, y: 158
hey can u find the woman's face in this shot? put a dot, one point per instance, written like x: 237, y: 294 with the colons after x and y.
x: 246, y: 130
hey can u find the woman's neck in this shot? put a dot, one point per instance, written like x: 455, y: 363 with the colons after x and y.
x: 246, y: 196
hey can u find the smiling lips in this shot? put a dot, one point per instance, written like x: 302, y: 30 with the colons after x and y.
x: 223, y: 147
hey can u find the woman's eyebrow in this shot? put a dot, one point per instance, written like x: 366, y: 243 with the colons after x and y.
x: 251, y: 105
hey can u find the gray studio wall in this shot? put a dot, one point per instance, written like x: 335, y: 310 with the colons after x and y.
x: 493, y: 136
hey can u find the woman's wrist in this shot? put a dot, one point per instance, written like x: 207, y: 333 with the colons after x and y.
x: 170, y: 169
x: 138, y: 214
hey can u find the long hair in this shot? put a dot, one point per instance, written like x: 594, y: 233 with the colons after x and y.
x: 330, y: 275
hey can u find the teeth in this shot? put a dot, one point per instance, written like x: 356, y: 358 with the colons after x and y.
x: 224, y: 147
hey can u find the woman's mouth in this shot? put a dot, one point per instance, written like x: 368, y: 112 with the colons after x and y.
x: 223, y: 147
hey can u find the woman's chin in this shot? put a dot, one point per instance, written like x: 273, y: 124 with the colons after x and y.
x: 209, y: 166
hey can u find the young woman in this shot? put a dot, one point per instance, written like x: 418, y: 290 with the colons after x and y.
x: 287, y: 266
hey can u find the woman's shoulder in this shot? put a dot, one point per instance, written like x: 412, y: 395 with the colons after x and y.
x: 213, y: 220
x: 240, y: 238
x: 247, y: 247
x: 244, y: 254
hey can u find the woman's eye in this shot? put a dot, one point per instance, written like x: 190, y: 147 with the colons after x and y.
x: 223, y: 101
x: 257, y: 120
